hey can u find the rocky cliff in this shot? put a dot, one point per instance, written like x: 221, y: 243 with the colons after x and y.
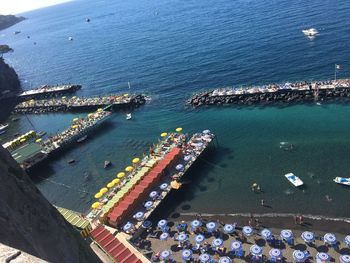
x: 9, y: 20
x: 30, y: 223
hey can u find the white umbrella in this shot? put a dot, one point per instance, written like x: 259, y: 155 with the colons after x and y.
x: 247, y: 231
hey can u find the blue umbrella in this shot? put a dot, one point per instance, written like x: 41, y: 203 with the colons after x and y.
x: 330, y: 239
x: 128, y: 226
x: 165, y: 254
x: 211, y: 226
x: 266, y: 234
x: 153, y: 194
x: 204, y: 258
x: 347, y: 241
x: 228, y: 229
x: 179, y: 167
x: 199, y: 238
x: 247, y: 231
x: 225, y: 260
x: 236, y: 245
x: 286, y: 234
x: 217, y: 242
x: 148, y: 205
x: 299, y: 256
x: 256, y: 250
x: 139, y: 216
x: 195, y: 224
x: 275, y: 253
x: 182, y: 237
x: 162, y: 223
x: 187, y: 254
x: 200, y: 144
x: 187, y: 158
x: 164, y: 236
x: 308, y: 236
x: 163, y: 186
x: 323, y: 256
x: 147, y: 224
x: 344, y: 259
x: 206, y: 131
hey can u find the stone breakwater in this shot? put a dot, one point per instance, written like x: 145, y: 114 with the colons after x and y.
x: 308, y: 92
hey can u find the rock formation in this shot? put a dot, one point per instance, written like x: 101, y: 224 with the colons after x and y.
x: 9, y: 20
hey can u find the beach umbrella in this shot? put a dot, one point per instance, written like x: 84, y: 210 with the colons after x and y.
x: 187, y: 158
x: 165, y: 254
x: 324, y: 257
x: 129, y: 169
x: 182, y: 237
x: 38, y: 140
x: 148, y: 205
x: 286, y: 234
x: 225, y: 260
x: 299, y: 256
x: 217, y: 242
x: 163, y: 134
x: 164, y: 236
x: 308, y: 236
x: 211, y: 226
x: 136, y: 160
x: 275, y: 253
x: 255, y: 250
x: 347, y: 241
x: 98, y: 110
x: 104, y: 190
x: 163, y: 186
x: 139, y: 216
x: 98, y: 195
x: 198, y: 145
x: 128, y: 226
x: 266, y: 234
x: 126, y: 95
x: 229, y: 229
x: 179, y: 167
x: 204, y: 258
x: 199, y: 238
x: 195, y: 224
x: 22, y: 140
x: 330, y: 239
x: 110, y: 185
x: 247, y: 231
x: 178, y: 129
x: 206, y: 132
x: 162, y: 223
x: 344, y: 259
x: 75, y: 119
x: 236, y: 245
x: 146, y: 224
x: 95, y: 205
x: 120, y: 175
x: 116, y: 181
x: 187, y: 254
x: 153, y: 194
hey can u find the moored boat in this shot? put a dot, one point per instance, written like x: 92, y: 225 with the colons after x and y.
x: 128, y: 116
x: 295, y: 180
x: 81, y: 139
x: 342, y: 180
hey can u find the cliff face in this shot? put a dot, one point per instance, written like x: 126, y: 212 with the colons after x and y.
x: 30, y: 223
x: 9, y: 20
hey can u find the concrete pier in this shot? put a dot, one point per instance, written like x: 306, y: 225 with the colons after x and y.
x: 47, y: 91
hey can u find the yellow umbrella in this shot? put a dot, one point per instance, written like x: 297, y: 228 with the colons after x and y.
x: 64, y: 97
x: 74, y: 97
x: 95, y: 205
x: 99, y: 110
x: 178, y: 129
x: 98, y: 195
x: 110, y: 185
x: 23, y: 140
x: 129, y: 169
x: 164, y: 134
x: 126, y: 95
x: 104, y: 190
x: 75, y: 119
x: 121, y: 175
x: 116, y: 181
x: 90, y: 115
x: 38, y: 140
x: 136, y: 160
x: 74, y: 126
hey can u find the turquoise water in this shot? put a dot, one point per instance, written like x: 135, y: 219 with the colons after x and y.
x: 172, y: 49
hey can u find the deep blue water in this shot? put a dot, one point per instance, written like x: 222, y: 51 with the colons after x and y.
x: 170, y: 49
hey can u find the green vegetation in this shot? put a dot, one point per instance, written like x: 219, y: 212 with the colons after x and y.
x: 4, y: 49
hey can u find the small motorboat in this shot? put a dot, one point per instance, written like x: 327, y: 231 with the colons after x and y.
x: 17, y: 32
x: 70, y: 38
x: 295, y: 180
x: 81, y: 139
x: 3, y: 128
x: 87, y: 19
x: 128, y: 116
x: 71, y: 161
x: 40, y: 134
x: 342, y: 180
x: 311, y: 32
x: 107, y: 164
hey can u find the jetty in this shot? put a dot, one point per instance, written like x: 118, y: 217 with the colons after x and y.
x: 79, y: 104
x: 31, y: 153
x: 46, y: 91
x: 286, y: 93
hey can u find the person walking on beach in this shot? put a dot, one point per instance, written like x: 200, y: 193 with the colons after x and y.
x: 262, y: 202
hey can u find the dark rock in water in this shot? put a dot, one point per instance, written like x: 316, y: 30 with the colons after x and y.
x: 71, y: 161
x: 107, y: 164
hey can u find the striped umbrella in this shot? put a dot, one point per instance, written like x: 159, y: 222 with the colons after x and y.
x: 211, y: 226
x: 146, y: 224
x: 266, y: 234
x: 286, y: 234
x: 330, y: 239
x: 187, y: 158
x: 217, y: 242
x: 204, y: 258
x: 148, y: 205
x: 299, y: 256
x: 187, y: 254
x: 308, y: 236
x: 165, y: 254
x: 153, y: 194
x: 275, y: 253
x: 324, y: 257
x: 225, y: 260
x: 182, y: 237
x: 344, y: 259
x: 162, y: 223
x: 128, y: 226
x: 199, y: 238
x: 163, y: 186
x: 347, y: 241
x: 236, y: 245
x: 179, y: 167
x: 228, y: 229
x: 164, y: 236
x: 255, y: 250
x: 195, y: 224
x: 139, y: 216
x: 247, y: 231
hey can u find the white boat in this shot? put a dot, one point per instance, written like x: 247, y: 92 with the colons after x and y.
x: 295, y: 180
x: 128, y: 116
x: 70, y: 38
x: 342, y: 180
x: 3, y: 127
x: 311, y: 32
x: 81, y: 139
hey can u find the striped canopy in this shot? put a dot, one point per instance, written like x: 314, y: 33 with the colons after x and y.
x: 256, y: 250
x: 275, y: 253
x: 247, y: 231
x: 228, y: 229
x: 324, y: 257
x: 308, y: 236
x: 236, y: 245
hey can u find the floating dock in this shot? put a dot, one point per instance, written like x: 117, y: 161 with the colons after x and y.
x: 47, y: 91
x: 275, y: 93
x: 79, y: 104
